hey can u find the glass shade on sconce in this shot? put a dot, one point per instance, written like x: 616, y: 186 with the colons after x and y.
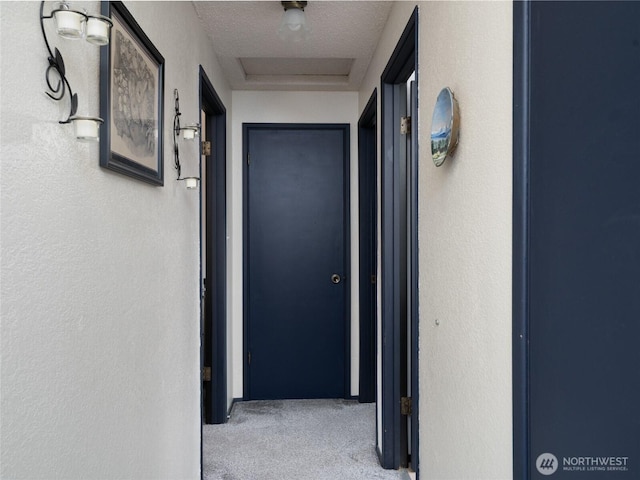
x: 190, y: 131
x: 191, y: 182
x: 69, y: 23
x: 86, y: 128
x: 74, y: 24
x: 97, y: 29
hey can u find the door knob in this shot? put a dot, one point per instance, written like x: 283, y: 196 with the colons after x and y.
x: 335, y: 278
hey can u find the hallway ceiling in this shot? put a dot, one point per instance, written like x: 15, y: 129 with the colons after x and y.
x: 253, y: 57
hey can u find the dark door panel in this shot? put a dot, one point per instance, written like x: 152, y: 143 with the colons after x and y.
x: 296, y: 322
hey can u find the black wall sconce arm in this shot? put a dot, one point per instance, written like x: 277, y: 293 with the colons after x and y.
x: 190, y: 132
x: 72, y: 24
x: 56, y: 64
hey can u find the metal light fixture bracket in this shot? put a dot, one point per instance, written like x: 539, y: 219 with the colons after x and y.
x: 57, y: 67
x: 293, y: 4
x: 195, y: 128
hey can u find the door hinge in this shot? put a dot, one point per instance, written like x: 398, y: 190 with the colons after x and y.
x: 248, y: 159
x: 249, y: 357
x: 405, y: 125
x: 374, y: 279
x: 405, y: 405
x: 206, y: 374
x: 206, y: 148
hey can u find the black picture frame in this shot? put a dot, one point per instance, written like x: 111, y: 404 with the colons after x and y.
x: 131, y: 100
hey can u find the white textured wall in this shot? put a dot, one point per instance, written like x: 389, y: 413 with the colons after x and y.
x: 286, y: 107
x: 464, y: 237
x: 99, y: 272
x: 465, y: 245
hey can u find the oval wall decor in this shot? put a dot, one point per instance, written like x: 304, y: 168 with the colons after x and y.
x: 445, y: 125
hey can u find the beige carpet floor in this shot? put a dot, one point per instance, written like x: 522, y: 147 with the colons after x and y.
x: 295, y: 440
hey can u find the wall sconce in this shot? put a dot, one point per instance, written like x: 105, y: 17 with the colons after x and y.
x: 188, y: 133
x: 73, y: 24
x: 293, y: 26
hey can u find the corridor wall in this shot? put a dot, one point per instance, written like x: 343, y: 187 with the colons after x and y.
x: 464, y: 229
x: 465, y: 223
x: 100, y: 298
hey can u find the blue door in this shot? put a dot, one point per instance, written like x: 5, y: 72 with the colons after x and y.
x: 583, y: 265
x: 296, y: 261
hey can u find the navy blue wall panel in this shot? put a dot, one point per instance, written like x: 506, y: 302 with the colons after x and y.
x: 584, y: 264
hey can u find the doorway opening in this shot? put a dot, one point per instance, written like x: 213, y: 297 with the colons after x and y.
x: 368, y: 247
x: 398, y: 445
x: 213, y: 234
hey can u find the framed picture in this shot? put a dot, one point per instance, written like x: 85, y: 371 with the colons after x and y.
x: 131, y: 100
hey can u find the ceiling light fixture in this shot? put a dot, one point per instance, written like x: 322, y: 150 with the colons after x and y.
x: 293, y: 26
